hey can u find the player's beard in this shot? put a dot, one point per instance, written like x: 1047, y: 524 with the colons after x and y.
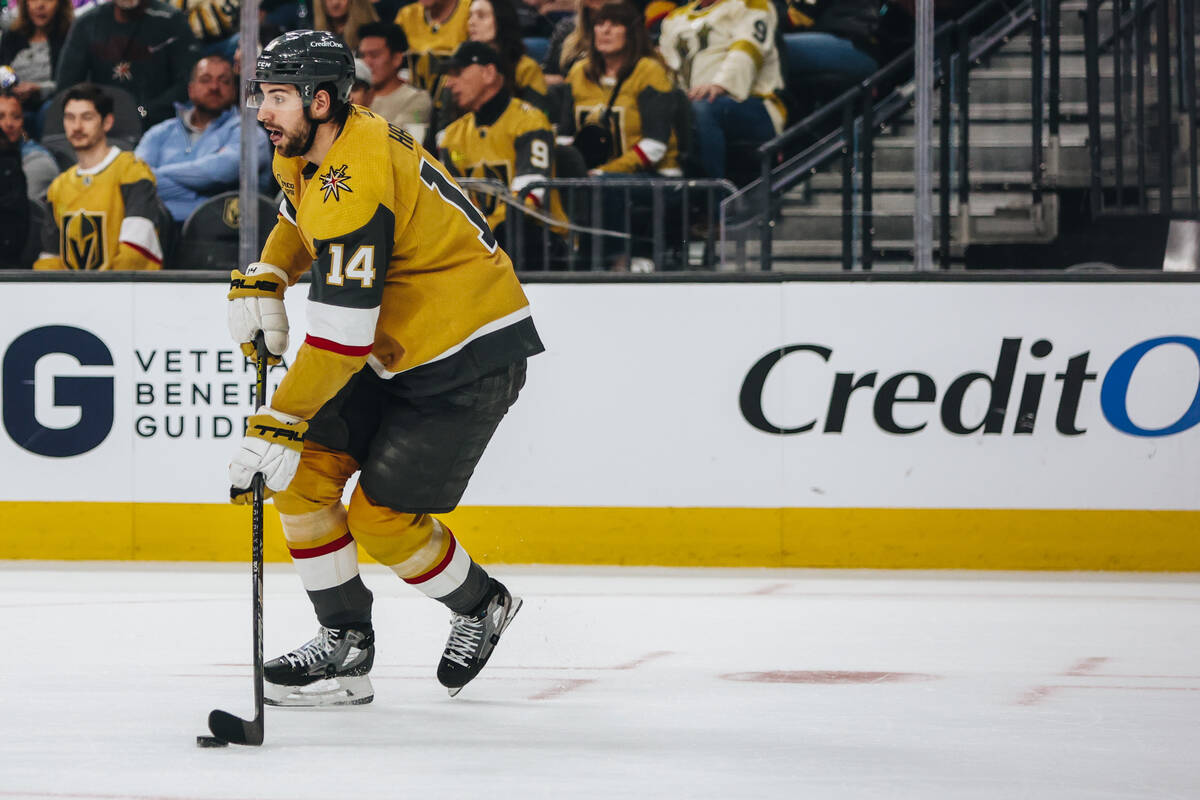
x: 294, y: 143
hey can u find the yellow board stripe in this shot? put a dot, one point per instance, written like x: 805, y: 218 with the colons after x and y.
x: 704, y: 537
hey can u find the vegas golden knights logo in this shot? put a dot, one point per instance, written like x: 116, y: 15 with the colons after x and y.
x: 82, y: 240
x: 493, y: 170
x: 231, y: 214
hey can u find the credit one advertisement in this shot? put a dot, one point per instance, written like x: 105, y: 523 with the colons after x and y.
x: 789, y: 395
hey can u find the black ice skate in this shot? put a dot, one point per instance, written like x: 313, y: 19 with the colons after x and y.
x: 330, y: 670
x: 474, y: 636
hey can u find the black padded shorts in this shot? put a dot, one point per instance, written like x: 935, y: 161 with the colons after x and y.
x: 416, y: 453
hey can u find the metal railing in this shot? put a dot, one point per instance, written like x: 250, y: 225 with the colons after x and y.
x: 669, y: 221
x: 862, y: 114
x: 1155, y: 133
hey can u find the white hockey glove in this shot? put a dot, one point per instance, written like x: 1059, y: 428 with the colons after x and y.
x: 256, y: 304
x: 272, y: 446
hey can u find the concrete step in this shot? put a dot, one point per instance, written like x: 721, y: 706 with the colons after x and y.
x: 994, y: 217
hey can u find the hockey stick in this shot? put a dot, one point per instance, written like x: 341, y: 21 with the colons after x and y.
x: 226, y: 726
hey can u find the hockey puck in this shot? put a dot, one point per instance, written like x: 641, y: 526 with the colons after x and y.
x: 210, y: 741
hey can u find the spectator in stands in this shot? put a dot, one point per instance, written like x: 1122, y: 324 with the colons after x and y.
x: 622, y: 90
x: 361, y: 93
x: 14, y: 200
x: 534, y: 19
x: 104, y: 212
x: 197, y: 155
x: 723, y: 53
x: 501, y: 138
x: 343, y: 17
x: 830, y: 46
x: 570, y: 41
x: 37, y: 164
x: 213, y: 22
x: 32, y: 47
x: 494, y: 23
x: 621, y: 69
x: 382, y: 46
x: 434, y: 29
x: 141, y: 46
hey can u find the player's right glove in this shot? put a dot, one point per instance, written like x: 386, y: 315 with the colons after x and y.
x: 272, y: 445
x: 256, y: 304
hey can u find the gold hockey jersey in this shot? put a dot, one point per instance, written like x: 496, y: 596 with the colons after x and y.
x: 103, y: 217
x: 731, y: 43
x: 507, y: 140
x: 429, y: 43
x: 406, y: 274
x: 641, y: 117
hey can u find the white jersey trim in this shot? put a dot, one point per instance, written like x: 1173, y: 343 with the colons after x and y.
x: 141, y: 233
x: 491, y: 327
x: 352, y: 327
x: 113, y: 152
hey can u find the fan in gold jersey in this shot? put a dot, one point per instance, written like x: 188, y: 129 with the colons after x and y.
x: 502, y: 138
x: 418, y: 333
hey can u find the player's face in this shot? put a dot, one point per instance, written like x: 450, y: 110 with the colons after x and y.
x: 11, y: 121
x: 83, y: 124
x: 382, y: 63
x: 610, y: 37
x: 213, y: 85
x: 281, y: 114
x: 481, y: 22
x: 41, y: 12
x: 468, y: 86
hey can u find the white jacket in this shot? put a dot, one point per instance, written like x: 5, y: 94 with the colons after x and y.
x: 730, y: 43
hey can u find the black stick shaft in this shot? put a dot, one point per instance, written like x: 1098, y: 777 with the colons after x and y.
x: 260, y: 399
x: 226, y: 726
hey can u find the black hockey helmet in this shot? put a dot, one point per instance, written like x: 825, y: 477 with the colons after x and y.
x: 305, y: 59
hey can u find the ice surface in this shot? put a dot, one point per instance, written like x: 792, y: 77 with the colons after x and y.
x: 618, y: 683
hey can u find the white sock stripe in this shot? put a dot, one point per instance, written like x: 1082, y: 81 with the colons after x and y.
x: 450, y: 578
x: 426, y: 557
x: 328, y: 570
x: 300, y: 529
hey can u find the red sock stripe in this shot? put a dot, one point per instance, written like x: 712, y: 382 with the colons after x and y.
x: 644, y: 158
x: 433, y: 573
x: 324, y: 549
x: 338, y: 347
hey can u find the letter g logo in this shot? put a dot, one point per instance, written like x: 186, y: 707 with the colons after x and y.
x: 92, y: 395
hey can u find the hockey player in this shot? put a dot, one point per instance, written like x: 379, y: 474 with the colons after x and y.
x: 418, y: 332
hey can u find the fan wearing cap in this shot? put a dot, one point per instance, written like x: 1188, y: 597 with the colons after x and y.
x: 418, y: 332
x: 500, y: 137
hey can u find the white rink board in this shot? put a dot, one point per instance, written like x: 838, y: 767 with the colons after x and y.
x: 636, y: 402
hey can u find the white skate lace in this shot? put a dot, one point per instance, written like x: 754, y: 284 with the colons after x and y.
x: 465, y: 635
x: 314, y: 650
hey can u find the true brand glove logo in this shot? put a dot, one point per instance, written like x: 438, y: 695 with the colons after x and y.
x: 92, y: 395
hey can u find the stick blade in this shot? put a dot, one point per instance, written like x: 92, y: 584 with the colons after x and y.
x: 235, y: 730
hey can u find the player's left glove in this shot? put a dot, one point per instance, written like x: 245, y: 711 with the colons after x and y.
x: 272, y: 446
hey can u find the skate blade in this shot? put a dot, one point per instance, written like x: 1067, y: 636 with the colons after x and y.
x: 343, y: 691
x: 512, y: 612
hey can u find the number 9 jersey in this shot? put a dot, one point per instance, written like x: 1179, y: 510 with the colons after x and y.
x: 407, y: 277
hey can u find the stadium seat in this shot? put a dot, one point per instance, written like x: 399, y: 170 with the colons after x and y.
x: 209, y: 239
x: 125, y: 133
